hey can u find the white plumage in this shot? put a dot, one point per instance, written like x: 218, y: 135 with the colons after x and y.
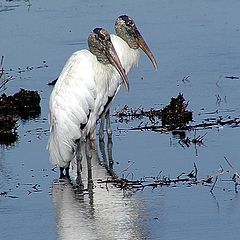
x: 70, y: 103
x: 79, y: 96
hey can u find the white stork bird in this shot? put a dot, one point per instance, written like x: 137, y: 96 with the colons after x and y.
x: 78, y: 97
x: 127, y: 43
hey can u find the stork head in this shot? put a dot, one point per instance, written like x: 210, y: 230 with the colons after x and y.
x: 127, y: 30
x: 100, y: 45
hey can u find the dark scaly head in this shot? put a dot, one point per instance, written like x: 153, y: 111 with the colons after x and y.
x: 126, y: 29
x: 100, y: 45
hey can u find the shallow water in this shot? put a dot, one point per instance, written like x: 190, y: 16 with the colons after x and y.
x: 188, y: 38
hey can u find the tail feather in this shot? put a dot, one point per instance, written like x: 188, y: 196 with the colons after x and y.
x: 62, y: 149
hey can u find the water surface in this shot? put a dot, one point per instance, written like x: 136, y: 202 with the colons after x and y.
x: 199, y: 39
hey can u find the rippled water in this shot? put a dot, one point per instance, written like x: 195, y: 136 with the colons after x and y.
x: 199, y: 39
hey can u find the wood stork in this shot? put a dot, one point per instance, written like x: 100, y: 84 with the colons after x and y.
x: 127, y: 43
x: 78, y: 96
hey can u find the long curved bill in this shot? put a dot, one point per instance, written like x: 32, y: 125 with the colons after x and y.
x: 114, y: 59
x: 143, y: 45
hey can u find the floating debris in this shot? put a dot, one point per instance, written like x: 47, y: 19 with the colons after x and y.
x: 232, y: 77
x: 174, y: 118
x: 10, y: 74
x: 175, y: 115
x: 53, y: 82
x: 156, y: 181
x: 125, y: 114
x: 24, y: 104
x: 7, y: 105
x: 183, y: 179
x: 186, y: 141
x: 27, y: 103
x: 8, y: 129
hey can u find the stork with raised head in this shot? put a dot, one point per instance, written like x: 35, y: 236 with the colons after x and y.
x: 79, y: 96
x: 127, y: 43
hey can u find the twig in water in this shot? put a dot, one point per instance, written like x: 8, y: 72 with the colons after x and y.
x: 232, y: 77
x: 211, y: 190
x: 126, y: 169
x: 232, y: 168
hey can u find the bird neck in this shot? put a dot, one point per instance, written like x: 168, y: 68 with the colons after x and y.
x: 128, y: 56
x: 103, y: 72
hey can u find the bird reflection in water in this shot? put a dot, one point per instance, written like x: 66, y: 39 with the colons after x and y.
x: 90, y: 210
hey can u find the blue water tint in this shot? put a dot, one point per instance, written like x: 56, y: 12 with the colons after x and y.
x: 199, y: 39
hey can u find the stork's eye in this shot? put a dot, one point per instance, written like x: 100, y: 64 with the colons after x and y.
x: 102, y: 36
x: 130, y: 23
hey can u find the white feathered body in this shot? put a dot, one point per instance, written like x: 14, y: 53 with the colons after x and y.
x: 77, y: 99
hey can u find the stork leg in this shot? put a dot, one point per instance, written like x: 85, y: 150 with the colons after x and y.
x: 89, y: 164
x: 108, y: 124
x: 93, y: 140
x: 79, y: 162
x: 101, y: 128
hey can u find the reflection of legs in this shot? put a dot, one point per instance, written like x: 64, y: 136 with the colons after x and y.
x: 108, y: 123
x: 107, y: 158
x: 79, y: 162
x: 109, y: 149
x: 103, y: 152
x: 89, y: 164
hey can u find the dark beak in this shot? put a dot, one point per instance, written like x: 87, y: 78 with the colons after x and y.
x: 143, y: 45
x: 114, y: 60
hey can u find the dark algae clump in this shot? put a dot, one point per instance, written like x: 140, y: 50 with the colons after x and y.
x: 25, y: 105
x: 175, y: 115
x: 8, y: 129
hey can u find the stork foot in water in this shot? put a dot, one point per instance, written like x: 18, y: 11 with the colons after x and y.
x: 66, y: 175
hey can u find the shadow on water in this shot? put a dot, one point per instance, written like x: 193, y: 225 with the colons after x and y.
x: 96, y: 211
